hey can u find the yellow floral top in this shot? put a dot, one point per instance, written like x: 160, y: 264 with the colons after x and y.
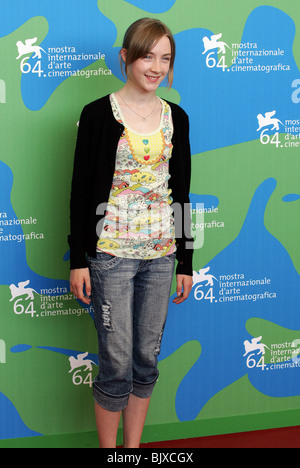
x: 139, y: 220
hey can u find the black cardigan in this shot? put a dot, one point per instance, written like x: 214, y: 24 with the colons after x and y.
x: 94, y: 165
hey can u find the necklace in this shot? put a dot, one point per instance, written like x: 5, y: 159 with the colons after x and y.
x: 142, y: 117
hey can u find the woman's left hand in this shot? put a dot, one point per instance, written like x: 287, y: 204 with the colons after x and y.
x: 184, y: 287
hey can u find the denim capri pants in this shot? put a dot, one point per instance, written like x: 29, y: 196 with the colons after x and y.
x: 130, y: 298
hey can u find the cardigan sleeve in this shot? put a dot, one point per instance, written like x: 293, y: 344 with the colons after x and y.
x: 185, y: 248
x: 181, y: 187
x: 80, y: 193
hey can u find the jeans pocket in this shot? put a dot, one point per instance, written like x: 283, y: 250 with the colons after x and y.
x: 104, y: 261
x: 171, y: 257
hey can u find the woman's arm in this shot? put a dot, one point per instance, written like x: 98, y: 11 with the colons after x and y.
x: 184, y: 287
x: 79, y: 282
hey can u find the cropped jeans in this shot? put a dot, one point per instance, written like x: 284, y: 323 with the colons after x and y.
x: 130, y: 298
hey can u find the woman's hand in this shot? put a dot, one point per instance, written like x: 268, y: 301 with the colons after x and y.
x: 78, y: 279
x: 184, y: 287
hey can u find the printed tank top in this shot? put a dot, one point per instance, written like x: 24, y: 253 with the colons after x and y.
x: 139, y: 221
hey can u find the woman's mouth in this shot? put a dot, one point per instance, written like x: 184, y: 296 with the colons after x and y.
x: 153, y: 79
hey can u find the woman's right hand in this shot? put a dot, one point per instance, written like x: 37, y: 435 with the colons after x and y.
x: 78, y: 279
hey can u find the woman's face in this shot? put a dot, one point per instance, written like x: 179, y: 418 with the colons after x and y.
x: 148, y: 72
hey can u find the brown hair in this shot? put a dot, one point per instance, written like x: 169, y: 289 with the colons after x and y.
x: 139, y: 39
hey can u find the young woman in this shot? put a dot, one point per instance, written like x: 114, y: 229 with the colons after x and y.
x: 130, y: 187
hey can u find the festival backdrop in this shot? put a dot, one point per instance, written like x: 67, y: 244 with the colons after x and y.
x: 229, y: 358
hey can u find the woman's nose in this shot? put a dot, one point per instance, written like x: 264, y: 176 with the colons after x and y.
x: 155, y: 67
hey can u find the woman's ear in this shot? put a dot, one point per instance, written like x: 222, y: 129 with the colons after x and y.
x: 123, y: 54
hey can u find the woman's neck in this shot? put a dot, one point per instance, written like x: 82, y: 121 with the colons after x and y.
x: 136, y: 96
x: 141, y: 110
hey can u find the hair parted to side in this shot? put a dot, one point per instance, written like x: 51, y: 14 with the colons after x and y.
x: 139, y: 39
